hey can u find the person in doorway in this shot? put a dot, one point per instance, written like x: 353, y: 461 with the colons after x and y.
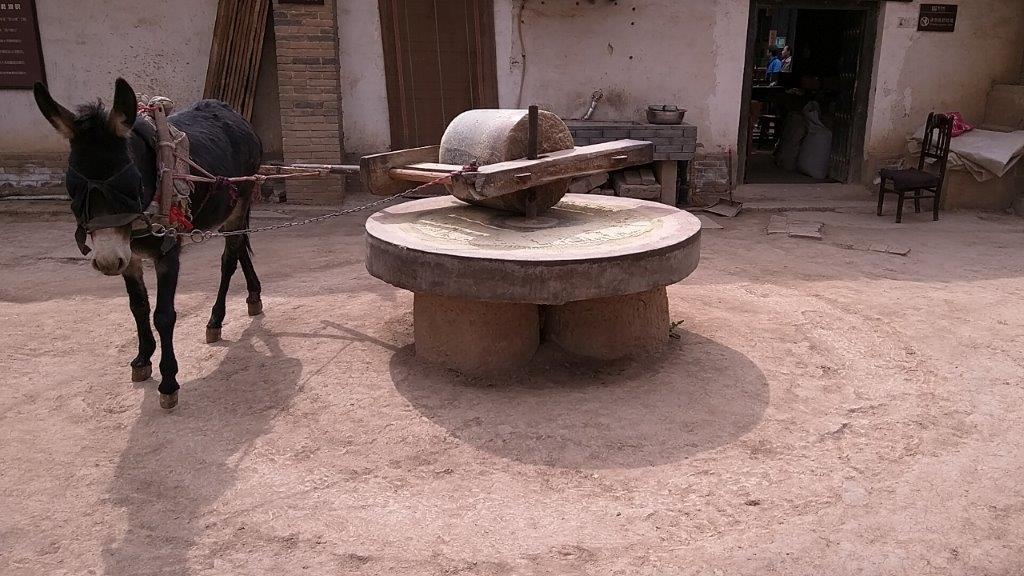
x: 787, y: 60
x: 774, y: 66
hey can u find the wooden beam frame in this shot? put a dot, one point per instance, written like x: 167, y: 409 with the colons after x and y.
x: 394, y: 172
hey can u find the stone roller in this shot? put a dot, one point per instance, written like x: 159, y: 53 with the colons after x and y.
x: 493, y: 136
x: 516, y: 161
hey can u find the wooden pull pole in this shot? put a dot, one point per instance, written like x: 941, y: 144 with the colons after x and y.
x: 165, y: 160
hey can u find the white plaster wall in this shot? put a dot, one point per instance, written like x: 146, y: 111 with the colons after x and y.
x: 159, y: 47
x: 690, y: 53
x: 364, y: 94
x: 684, y: 52
x: 918, y: 72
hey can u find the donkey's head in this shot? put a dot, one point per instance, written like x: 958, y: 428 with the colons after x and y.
x: 103, y: 182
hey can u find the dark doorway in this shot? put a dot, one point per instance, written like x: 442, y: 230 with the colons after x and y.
x: 439, y: 61
x: 804, y: 117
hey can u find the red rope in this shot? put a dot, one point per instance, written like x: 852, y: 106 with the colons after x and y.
x: 177, y: 219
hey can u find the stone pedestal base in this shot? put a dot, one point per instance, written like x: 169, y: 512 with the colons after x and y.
x: 475, y: 337
x: 597, y: 265
x: 610, y: 328
x: 493, y: 338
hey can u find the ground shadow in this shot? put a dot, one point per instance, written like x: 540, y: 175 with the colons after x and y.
x: 177, y: 464
x: 696, y: 395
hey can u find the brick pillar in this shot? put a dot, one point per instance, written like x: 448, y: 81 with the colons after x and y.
x: 310, y: 87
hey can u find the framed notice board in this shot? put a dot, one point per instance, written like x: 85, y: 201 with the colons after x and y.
x: 21, y: 54
x: 937, y: 18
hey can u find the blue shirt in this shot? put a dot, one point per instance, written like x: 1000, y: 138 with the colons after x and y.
x: 775, y: 66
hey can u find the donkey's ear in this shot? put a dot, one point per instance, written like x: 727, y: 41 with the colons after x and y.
x: 62, y: 119
x: 122, y: 114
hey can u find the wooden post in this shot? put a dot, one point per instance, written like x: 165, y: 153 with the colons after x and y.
x: 165, y: 161
x: 532, y: 139
x: 533, y: 135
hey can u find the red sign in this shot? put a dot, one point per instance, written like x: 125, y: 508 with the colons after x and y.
x: 21, y: 55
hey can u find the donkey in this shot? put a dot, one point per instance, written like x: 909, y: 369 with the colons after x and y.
x: 112, y: 178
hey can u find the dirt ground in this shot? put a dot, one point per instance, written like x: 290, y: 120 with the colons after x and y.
x: 826, y: 411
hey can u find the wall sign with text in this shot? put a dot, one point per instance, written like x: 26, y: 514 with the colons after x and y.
x: 937, y: 18
x: 21, y: 55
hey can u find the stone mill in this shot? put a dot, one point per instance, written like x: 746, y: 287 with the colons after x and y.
x: 509, y: 259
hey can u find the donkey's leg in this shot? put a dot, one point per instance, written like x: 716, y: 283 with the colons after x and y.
x: 228, y: 265
x: 252, y: 282
x: 235, y: 248
x: 138, y: 300
x: 239, y: 220
x: 164, y: 318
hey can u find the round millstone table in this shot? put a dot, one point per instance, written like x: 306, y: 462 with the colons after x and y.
x: 589, y: 274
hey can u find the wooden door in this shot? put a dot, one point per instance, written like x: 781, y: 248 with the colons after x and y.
x: 846, y: 114
x: 439, y: 61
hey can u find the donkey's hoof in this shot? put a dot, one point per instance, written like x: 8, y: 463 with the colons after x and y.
x: 255, y: 308
x: 142, y: 373
x: 168, y: 401
x: 212, y: 335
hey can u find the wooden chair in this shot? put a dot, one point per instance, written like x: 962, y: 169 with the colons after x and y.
x: 937, y: 134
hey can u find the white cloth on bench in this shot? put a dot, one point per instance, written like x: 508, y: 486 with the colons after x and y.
x: 983, y: 153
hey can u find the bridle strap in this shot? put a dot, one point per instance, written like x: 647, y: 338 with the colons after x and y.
x: 90, y: 184
x: 104, y: 181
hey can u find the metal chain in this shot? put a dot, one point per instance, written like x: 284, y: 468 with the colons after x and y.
x: 197, y: 236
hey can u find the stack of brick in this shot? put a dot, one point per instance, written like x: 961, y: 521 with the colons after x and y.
x: 37, y: 174
x: 588, y: 184
x: 671, y: 142
x: 709, y: 177
x: 636, y: 183
x: 309, y: 85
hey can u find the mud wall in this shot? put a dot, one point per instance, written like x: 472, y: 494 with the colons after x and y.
x: 918, y: 72
x: 159, y: 47
x: 688, y: 53
x: 691, y: 53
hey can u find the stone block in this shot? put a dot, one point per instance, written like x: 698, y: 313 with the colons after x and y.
x: 626, y: 189
x: 617, y: 133
x: 588, y: 133
x: 668, y: 178
x: 587, y: 183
